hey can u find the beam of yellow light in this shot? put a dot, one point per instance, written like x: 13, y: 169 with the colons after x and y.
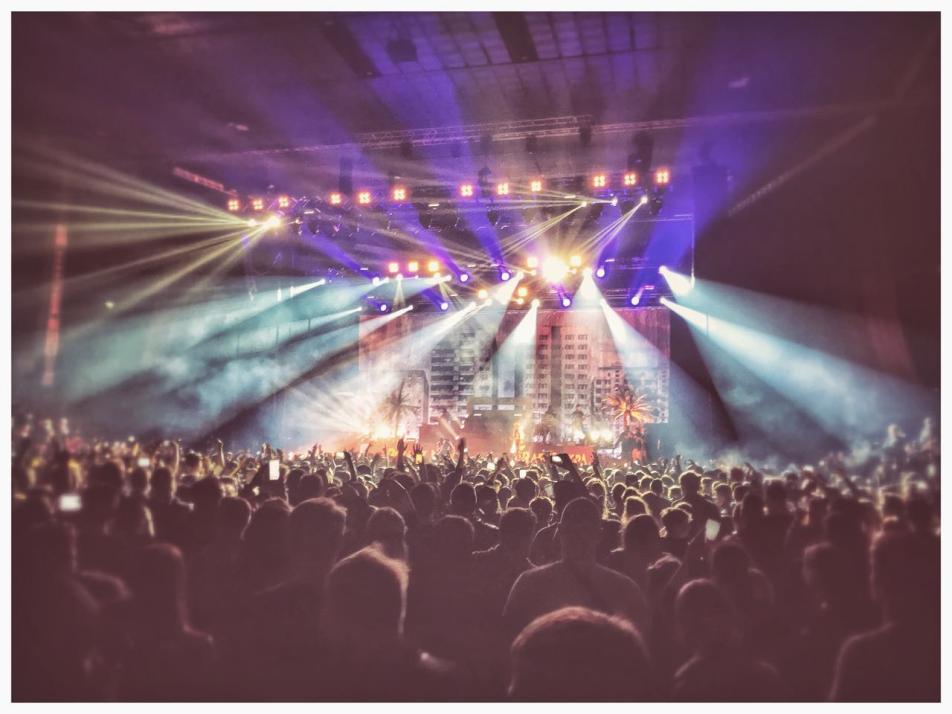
x: 215, y: 253
x: 106, y: 210
x: 609, y: 232
x: 96, y: 277
x: 90, y: 176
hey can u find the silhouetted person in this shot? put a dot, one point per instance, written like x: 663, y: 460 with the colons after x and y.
x: 365, y: 655
x: 576, y: 579
x: 170, y: 515
x: 900, y: 660
x: 642, y: 546
x: 167, y: 659
x: 719, y: 668
x: 54, y: 621
x: 280, y: 625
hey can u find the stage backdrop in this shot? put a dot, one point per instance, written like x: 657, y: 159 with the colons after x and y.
x: 485, y: 363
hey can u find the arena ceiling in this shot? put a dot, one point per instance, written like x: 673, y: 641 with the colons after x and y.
x: 230, y: 93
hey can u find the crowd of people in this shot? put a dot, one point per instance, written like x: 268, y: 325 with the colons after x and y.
x: 157, y: 572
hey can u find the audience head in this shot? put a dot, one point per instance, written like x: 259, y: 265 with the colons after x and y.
x: 580, y: 529
x: 516, y: 528
x: 386, y: 528
x: 315, y: 531
x: 577, y: 654
x: 704, y: 615
x: 365, y: 601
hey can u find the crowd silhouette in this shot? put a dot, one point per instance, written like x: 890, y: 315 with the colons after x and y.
x: 154, y: 572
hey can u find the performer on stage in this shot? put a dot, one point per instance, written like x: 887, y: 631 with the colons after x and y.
x: 578, y: 425
x: 632, y: 442
x: 545, y: 430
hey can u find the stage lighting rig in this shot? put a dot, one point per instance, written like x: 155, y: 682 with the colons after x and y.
x: 234, y: 205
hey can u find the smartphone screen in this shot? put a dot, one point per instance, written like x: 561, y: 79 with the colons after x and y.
x: 523, y: 473
x: 339, y: 455
x: 711, y: 529
x: 70, y: 502
x: 556, y: 459
x: 274, y: 470
x: 143, y: 462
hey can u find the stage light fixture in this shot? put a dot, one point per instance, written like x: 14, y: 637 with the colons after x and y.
x: 532, y: 262
x: 466, y: 190
x: 393, y: 268
x: 413, y: 266
x: 644, y: 200
x: 505, y: 275
x: 502, y: 189
x: 482, y: 294
x: 273, y: 221
x: 444, y: 306
x: 554, y: 269
x: 363, y: 198
x: 614, y: 200
x: 336, y: 199
x: 636, y: 298
x: 522, y: 291
x: 234, y: 204
x: 536, y: 302
x: 520, y: 301
x: 252, y: 222
x: 283, y: 201
x: 375, y: 280
x: 566, y: 301
x: 599, y: 180
x: 631, y: 179
x: 384, y: 307
x: 464, y: 277
x: 257, y: 204
x: 399, y: 193
x: 535, y: 186
x: 662, y: 177
x: 600, y: 272
x: 575, y: 261
x: 587, y: 272
x: 433, y: 266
